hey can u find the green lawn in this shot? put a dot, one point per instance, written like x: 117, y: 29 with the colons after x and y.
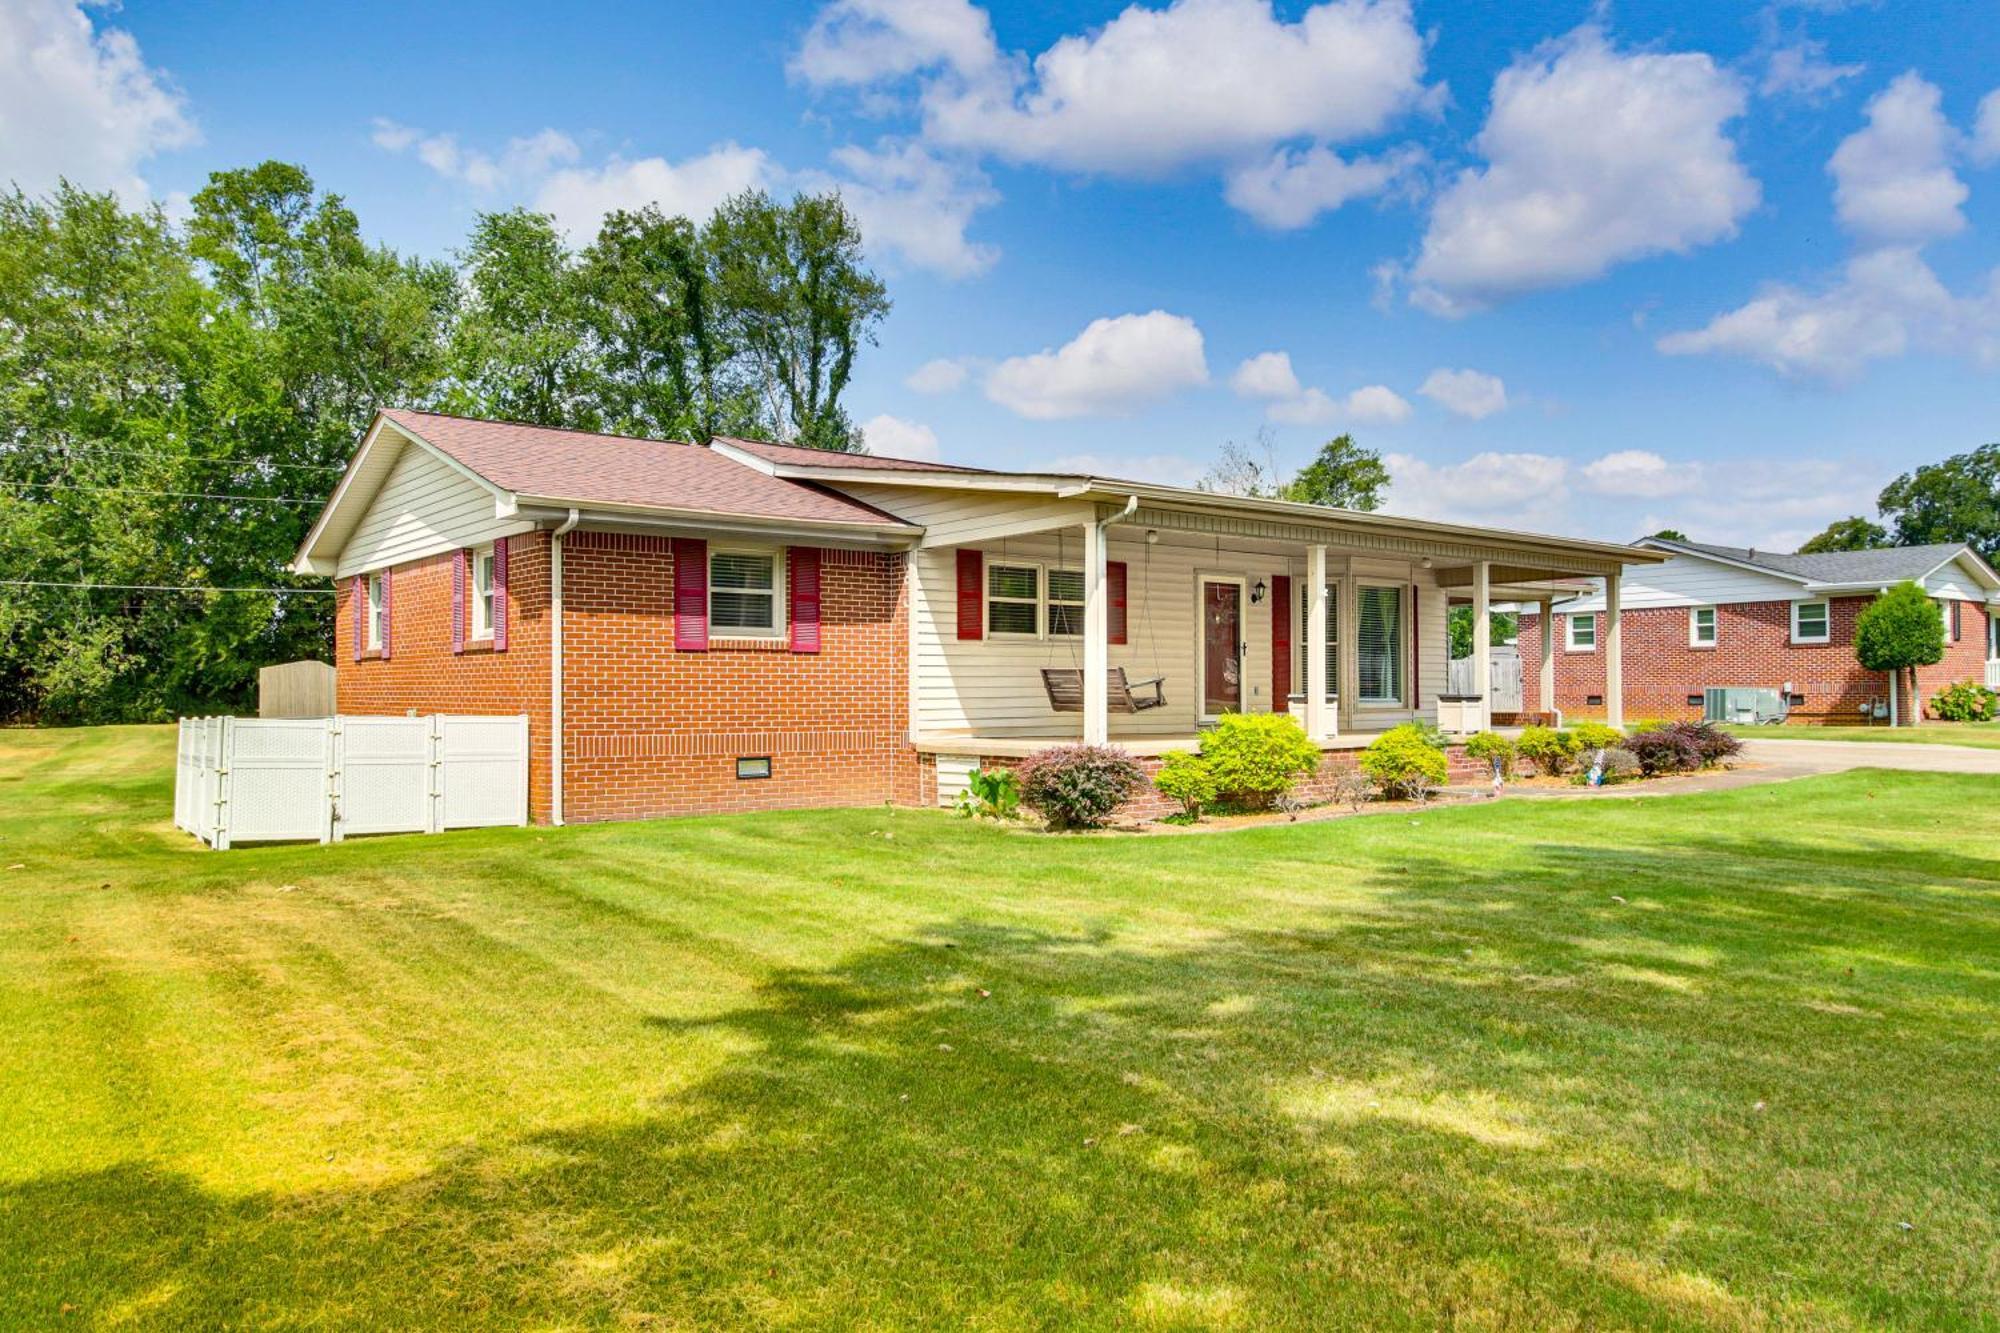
x: 1722, y: 1060
x: 1978, y: 735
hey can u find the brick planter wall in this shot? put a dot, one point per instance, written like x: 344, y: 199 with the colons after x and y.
x: 1754, y: 648
x: 423, y: 673
x: 1150, y: 804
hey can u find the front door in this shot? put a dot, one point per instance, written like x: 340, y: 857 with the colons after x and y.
x: 1221, y: 647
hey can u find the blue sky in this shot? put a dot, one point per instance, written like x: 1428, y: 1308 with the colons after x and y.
x: 1587, y: 268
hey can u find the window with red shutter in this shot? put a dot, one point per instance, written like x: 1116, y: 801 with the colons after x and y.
x: 458, y: 585
x: 1115, y: 586
x: 1281, y: 643
x: 690, y: 595
x: 500, y: 599
x: 971, y: 594
x: 803, y: 582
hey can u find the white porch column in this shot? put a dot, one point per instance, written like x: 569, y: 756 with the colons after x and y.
x: 1096, y: 639
x: 1547, y: 679
x: 1614, y: 660
x: 1482, y: 641
x: 1316, y: 642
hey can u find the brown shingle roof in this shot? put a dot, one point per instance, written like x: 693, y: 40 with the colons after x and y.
x: 577, y: 466
x: 798, y: 456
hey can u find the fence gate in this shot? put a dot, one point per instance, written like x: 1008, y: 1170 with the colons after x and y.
x: 289, y: 779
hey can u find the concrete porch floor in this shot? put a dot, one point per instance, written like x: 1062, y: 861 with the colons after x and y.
x: 1145, y: 747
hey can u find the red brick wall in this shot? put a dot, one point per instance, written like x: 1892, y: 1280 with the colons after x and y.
x: 651, y: 731
x: 1753, y: 648
x: 423, y: 673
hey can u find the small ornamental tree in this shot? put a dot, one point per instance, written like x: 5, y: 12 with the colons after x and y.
x: 1899, y: 630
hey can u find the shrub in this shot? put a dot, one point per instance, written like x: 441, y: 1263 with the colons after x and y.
x: 1353, y: 788
x: 1595, y: 736
x: 1619, y: 765
x: 1967, y: 701
x: 1257, y: 757
x: 1404, y: 763
x: 1663, y: 750
x: 1078, y: 786
x: 1489, y: 746
x: 993, y: 793
x: 1549, y: 750
x: 1716, y: 744
x: 1187, y: 779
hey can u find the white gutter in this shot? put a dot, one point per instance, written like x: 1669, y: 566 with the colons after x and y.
x: 556, y: 664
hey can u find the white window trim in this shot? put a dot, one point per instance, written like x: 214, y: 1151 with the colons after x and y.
x: 1807, y: 638
x: 374, y: 616
x: 1039, y: 601
x: 1049, y: 601
x: 482, y: 611
x: 1570, y: 645
x: 780, y: 608
x: 1403, y: 640
x: 1694, y: 627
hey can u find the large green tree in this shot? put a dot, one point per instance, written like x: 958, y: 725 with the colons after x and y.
x: 1957, y: 500
x: 1848, y: 534
x: 798, y: 300
x: 1343, y: 475
x: 1897, y: 631
x: 522, y: 349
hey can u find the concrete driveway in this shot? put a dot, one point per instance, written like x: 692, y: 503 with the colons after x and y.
x: 1802, y: 758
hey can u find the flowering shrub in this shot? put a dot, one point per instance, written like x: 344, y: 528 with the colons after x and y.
x: 1404, y: 763
x: 1257, y: 757
x: 1967, y: 701
x: 1188, y: 780
x: 1489, y: 746
x: 1549, y: 750
x: 1078, y: 786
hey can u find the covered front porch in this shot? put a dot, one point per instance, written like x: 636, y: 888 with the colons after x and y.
x: 1030, y: 622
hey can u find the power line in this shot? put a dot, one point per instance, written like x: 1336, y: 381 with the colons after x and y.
x: 60, y: 453
x: 169, y: 495
x: 153, y: 587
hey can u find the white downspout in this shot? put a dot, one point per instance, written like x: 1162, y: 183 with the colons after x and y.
x: 556, y: 666
x: 1096, y: 627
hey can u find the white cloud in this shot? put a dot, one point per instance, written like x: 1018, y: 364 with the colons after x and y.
x: 1468, y: 393
x: 1266, y: 375
x: 860, y: 42
x: 1112, y: 368
x: 1800, y: 69
x: 1526, y: 490
x: 1641, y: 474
x: 1986, y: 129
x: 524, y: 159
x: 940, y: 375
x: 1200, y: 80
x: 80, y: 103
x: 1269, y: 377
x: 913, y: 204
x: 1776, y: 505
x: 1884, y: 302
x: 1893, y: 180
x: 579, y: 197
x: 1292, y: 187
x: 1593, y: 157
x: 893, y: 437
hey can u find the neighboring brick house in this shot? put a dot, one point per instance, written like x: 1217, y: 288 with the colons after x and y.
x: 1728, y: 616
x: 746, y: 625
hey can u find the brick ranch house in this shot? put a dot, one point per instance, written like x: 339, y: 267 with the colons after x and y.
x: 1727, y: 616
x: 746, y: 625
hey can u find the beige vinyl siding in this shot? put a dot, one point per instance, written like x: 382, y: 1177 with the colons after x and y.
x: 1954, y: 582
x: 954, y: 517
x: 994, y: 687
x: 424, y: 508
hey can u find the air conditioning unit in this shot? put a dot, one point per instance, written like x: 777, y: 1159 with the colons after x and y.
x: 1747, y: 706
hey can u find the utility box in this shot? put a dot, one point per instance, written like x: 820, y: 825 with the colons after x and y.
x: 1745, y: 705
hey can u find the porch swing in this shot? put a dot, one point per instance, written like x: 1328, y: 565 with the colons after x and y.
x: 1065, y: 684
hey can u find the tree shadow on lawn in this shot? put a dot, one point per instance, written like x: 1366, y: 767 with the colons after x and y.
x: 1409, y: 1118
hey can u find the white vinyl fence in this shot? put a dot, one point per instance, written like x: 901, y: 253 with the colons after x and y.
x: 1506, y: 680
x: 245, y: 779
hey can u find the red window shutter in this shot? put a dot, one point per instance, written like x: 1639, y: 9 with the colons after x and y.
x: 971, y: 596
x: 802, y: 582
x: 1114, y: 584
x: 360, y: 599
x: 500, y: 598
x: 690, y: 595
x: 459, y: 584
x: 1281, y: 643
x: 388, y: 611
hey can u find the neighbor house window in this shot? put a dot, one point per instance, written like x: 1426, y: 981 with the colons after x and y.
x: 1380, y: 629
x: 743, y: 592
x: 1957, y: 622
x: 1013, y: 599
x: 1332, y: 635
x: 1809, y: 622
x: 1701, y: 627
x: 378, y: 620
x: 1065, y: 601
x: 1581, y: 632
x: 482, y: 593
